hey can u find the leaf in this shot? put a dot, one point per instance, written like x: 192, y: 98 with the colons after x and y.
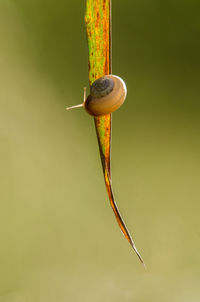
x: 98, y: 27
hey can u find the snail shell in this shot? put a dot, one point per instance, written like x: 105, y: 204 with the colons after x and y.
x: 107, y: 94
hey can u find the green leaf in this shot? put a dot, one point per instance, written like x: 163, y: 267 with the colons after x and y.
x: 98, y: 27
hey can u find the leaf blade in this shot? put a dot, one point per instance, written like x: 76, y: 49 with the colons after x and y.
x: 98, y: 27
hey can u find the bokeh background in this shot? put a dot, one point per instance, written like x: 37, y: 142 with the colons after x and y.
x: 59, y: 240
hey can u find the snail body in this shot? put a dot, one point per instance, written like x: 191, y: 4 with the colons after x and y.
x: 107, y: 94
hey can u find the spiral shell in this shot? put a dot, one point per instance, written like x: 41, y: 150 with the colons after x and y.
x: 107, y: 94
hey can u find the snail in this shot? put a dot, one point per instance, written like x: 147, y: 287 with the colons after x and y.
x: 107, y: 94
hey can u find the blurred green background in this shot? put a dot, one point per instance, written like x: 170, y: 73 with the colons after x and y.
x: 59, y: 240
